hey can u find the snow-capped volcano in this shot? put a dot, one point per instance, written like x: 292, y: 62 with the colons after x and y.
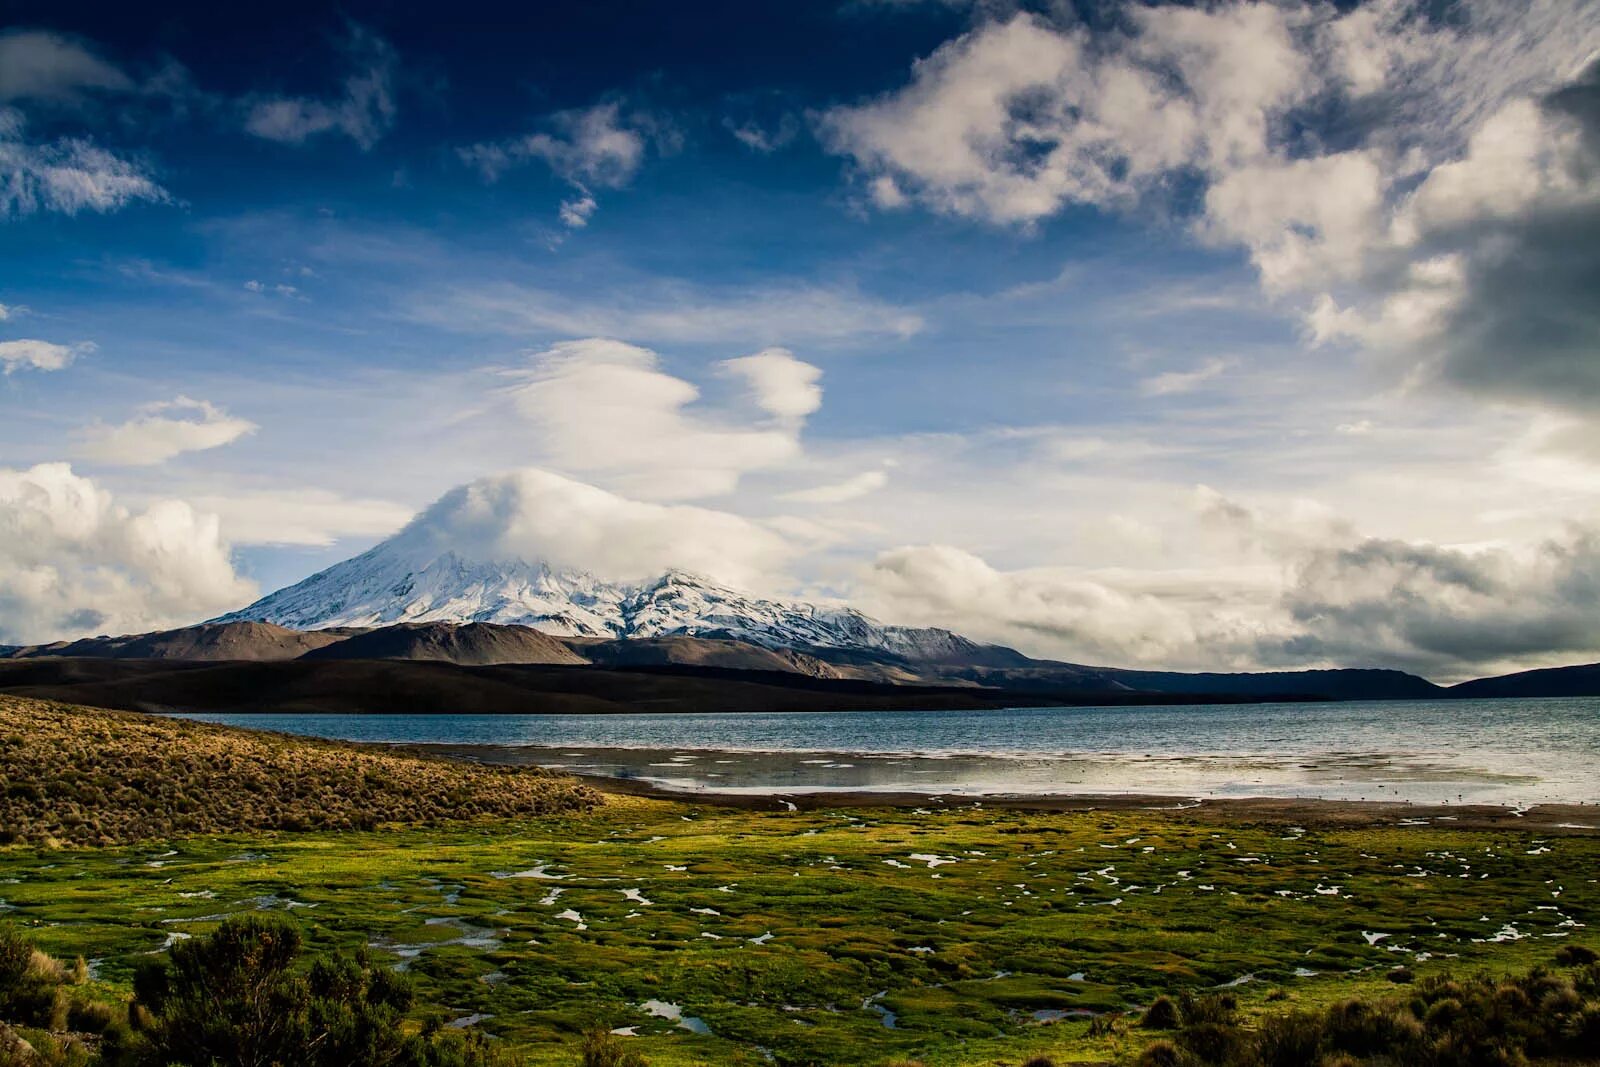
x: 454, y: 563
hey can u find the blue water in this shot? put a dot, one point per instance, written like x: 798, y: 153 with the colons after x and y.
x: 1510, y: 751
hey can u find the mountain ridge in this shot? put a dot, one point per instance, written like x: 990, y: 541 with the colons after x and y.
x: 489, y: 644
x: 393, y: 583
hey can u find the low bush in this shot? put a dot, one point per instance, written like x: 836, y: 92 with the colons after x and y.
x: 601, y: 1048
x: 239, y: 998
x: 1481, y: 1021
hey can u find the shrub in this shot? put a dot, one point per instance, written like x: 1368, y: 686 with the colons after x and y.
x: 30, y: 984
x: 1366, y: 1029
x: 89, y: 1016
x: 1160, y: 1054
x: 16, y: 955
x: 1162, y: 1014
x: 1292, y: 1040
x: 1038, y: 1061
x: 1197, y: 1011
x: 236, y: 999
x: 603, y: 1049
x: 1542, y: 1016
x: 1576, y: 955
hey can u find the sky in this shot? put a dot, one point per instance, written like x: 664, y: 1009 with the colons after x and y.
x: 1221, y: 335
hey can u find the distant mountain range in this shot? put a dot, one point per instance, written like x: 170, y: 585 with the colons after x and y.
x: 416, y: 624
x: 495, y: 667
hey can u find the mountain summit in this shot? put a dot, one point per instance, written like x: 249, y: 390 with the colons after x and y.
x: 456, y: 563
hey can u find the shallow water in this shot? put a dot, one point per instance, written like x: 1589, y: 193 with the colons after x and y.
x: 1486, y: 751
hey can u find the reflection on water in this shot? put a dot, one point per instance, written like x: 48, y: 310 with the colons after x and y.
x: 1502, y: 751
x: 1336, y: 776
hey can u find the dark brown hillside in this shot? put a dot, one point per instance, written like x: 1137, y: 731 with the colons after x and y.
x: 211, y: 641
x: 699, y: 652
x: 424, y: 687
x: 468, y: 643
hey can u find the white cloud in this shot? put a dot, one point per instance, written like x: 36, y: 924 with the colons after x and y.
x: 300, y: 516
x: 780, y: 384
x: 764, y: 139
x: 593, y: 146
x: 607, y: 408
x: 364, y: 113
x: 853, y: 488
x: 575, y: 213
x: 1303, y: 589
x: 535, y: 514
x: 1100, y: 618
x: 39, y: 65
x: 162, y: 431
x: 1017, y: 118
x: 73, y: 561
x: 1172, y: 383
x: 1449, y: 218
x: 69, y: 175
x: 1444, y: 610
x: 597, y: 147
x: 666, y: 311
x: 255, y: 286
x: 40, y: 355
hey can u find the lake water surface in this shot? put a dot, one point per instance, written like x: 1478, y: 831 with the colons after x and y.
x: 1485, y: 751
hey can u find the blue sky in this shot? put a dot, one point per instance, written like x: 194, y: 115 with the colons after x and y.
x: 1154, y: 334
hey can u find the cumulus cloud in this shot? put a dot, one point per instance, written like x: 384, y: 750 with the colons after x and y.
x: 536, y: 514
x: 1441, y: 610
x: 68, y: 175
x: 607, y: 408
x: 39, y: 355
x: 1300, y: 588
x: 597, y: 147
x: 1423, y: 185
x: 365, y: 111
x: 1087, y: 617
x: 162, y: 431
x: 1490, y: 264
x: 39, y: 65
x: 73, y: 561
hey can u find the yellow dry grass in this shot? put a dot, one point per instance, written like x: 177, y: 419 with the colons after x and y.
x: 83, y: 776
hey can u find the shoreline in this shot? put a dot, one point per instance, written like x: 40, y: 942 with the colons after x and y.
x: 1555, y: 819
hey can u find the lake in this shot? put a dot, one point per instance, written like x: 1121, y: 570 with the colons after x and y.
x: 1479, y: 751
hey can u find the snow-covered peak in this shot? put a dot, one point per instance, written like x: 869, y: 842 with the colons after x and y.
x: 479, y: 554
x: 395, y: 583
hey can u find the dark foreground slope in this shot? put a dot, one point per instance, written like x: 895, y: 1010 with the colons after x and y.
x: 424, y: 687
x: 86, y: 776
